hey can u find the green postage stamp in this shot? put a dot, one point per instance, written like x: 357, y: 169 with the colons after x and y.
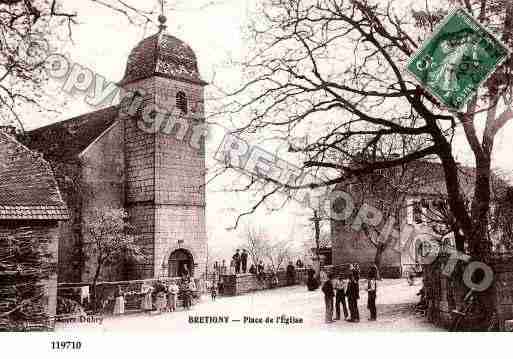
x: 459, y: 56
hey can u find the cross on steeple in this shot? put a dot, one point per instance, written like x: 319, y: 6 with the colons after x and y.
x: 162, y: 17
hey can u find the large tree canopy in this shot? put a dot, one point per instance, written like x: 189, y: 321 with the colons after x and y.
x: 29, y: 31
x: 335, y: 70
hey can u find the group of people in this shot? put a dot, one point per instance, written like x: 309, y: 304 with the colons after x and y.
x: 339, y: 289
x: 258, y: 270
x: 160, y: 297
x: 239, y: 261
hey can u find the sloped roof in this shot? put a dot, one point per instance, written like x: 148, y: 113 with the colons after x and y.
x: 28, y: 189
x: 162, y: 55
x: 64, y: 140
x: 426, y: 177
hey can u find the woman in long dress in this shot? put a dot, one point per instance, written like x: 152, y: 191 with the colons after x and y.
x: 119, y: 304
x: 192, y: 291
x: 147, y: 303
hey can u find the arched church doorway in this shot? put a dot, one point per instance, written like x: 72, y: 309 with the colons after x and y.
x: 180, y: 262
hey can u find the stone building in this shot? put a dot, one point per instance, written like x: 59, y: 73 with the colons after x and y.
x: 415, y: 197
x: 109, y: 158
x: 31, y: 209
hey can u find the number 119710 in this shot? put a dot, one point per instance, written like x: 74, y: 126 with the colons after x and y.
x: 66, y: 345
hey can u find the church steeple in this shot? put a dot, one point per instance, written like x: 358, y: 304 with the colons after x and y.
x: 162, y: 55
x: 162, y: 17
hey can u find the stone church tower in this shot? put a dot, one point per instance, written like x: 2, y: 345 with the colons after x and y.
x: 165, y: 175
x: 108, y: 159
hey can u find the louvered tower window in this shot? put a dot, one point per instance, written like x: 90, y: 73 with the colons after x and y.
x: 181, y: 101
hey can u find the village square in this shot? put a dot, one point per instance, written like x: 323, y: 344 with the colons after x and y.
x: 333, y: 172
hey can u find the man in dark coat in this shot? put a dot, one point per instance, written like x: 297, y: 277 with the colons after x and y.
x: 260, y: 271
x: 311, y: 282
x: 340, y: 297
x: 236, y: 260
x: 329, y: 293
x: 353, y: 294
x: 244, y: 260
x: 253, y: 269
x: 291, y: 274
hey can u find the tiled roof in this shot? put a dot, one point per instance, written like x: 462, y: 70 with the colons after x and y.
x: 28, y: 189
x: 162, y: 55
x: 425, y: 177
x: 65, y: 140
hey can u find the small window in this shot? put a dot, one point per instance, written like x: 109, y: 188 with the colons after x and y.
x: 181, y: 101
x: 417, y: 212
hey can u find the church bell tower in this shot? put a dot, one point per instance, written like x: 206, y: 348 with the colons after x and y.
x: 165, y: 159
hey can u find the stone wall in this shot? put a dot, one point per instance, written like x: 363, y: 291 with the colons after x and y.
x: 350, y: 246
x: 180, y: 177
x: 446, y: 293
x: 103, y: 186
x: 237, y: 284
x: 166, y: 176
x: 70, y: 262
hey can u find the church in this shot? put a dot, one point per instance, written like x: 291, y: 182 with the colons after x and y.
x: 104, y: 159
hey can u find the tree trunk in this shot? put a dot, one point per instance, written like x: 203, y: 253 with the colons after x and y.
x: 380, y: 249
x: 94, y: 302
x: 455, y: 198
x: 480, y: 246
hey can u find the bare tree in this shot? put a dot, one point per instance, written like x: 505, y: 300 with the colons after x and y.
x: 334, y: 69
x: 261, y: 247
x: 110, y: 241
x: 277, y: 253
x: 256, y: 243
x: 31, y: 30
x: 28, y: 29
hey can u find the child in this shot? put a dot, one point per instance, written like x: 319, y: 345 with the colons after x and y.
x: 172, y: 296
x: 161, y: 297
x: 213, y: 290
x: 119, y: 305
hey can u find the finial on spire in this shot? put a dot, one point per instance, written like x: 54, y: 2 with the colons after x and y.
x: 162, y: 17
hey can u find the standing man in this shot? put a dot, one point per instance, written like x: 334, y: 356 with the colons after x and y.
x: 353, y: 295
x: 236, y: 261
x: 340, y: 297
x: 223, y: 268
x: 291, y: 274
x: 260, y: 271
x: 244, y: 260
x: 371, y: 292
x: 327, y: 289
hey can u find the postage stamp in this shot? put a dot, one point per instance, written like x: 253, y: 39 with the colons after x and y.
x: 457, y: 59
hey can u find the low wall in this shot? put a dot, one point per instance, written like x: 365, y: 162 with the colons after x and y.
x: 446, y: 293
x: 237, y: 284
x: 105, y: 292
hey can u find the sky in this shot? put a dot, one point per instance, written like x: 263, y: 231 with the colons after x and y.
x: 102, y: 42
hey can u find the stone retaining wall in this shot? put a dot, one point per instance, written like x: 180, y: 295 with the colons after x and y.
x: 237, y: 284
x: 106, y: 290
x: 445, y: 294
